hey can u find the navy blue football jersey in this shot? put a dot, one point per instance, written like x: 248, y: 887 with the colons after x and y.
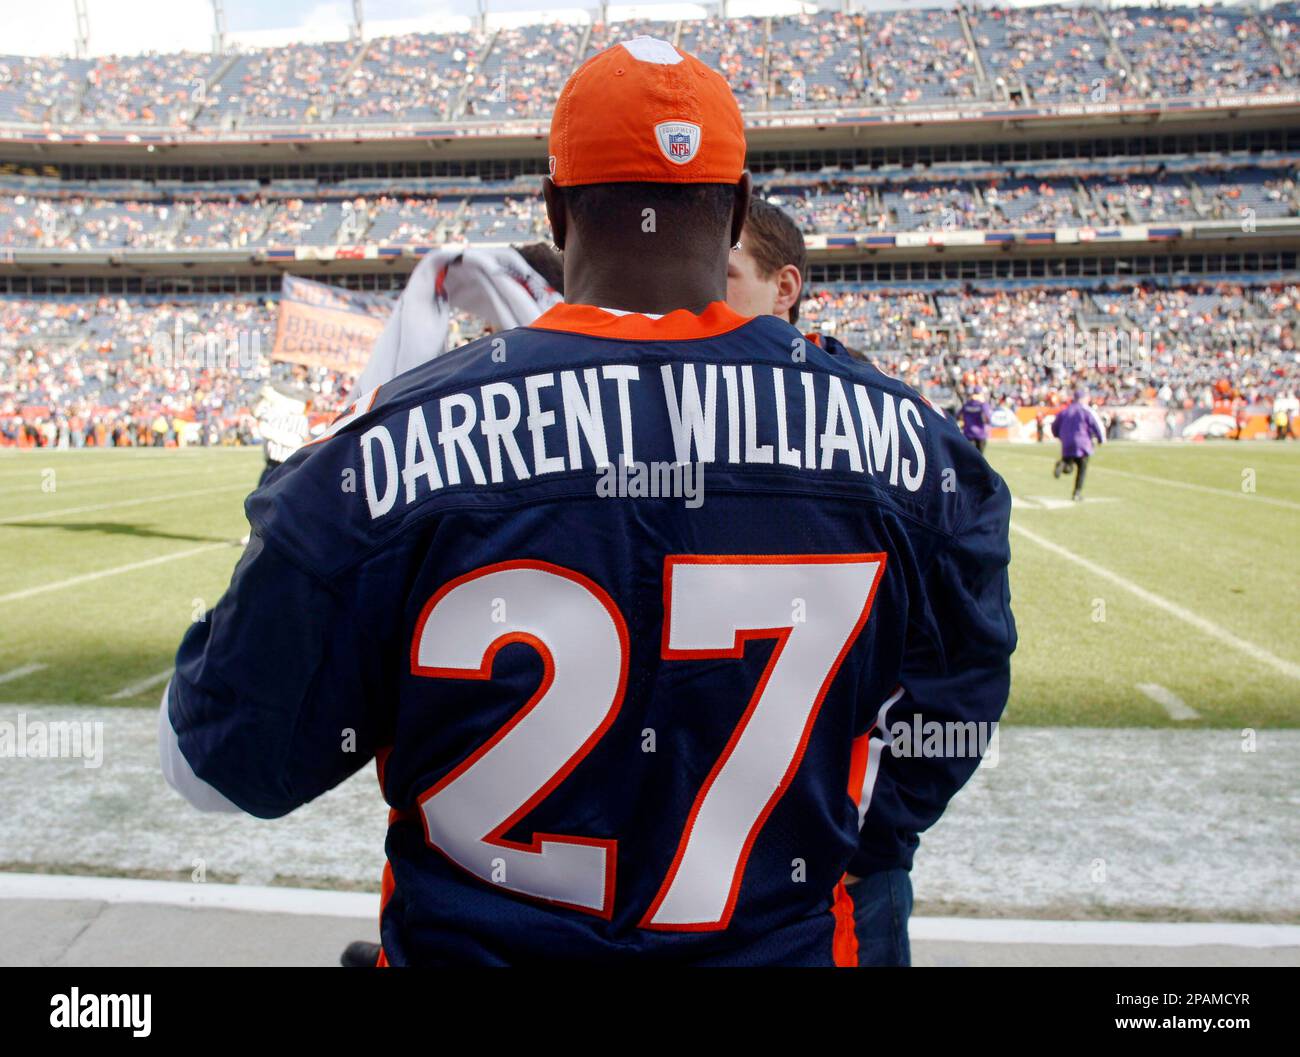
x: 642, y: 620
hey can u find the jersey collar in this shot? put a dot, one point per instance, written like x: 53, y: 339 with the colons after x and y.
x: 680, y: 325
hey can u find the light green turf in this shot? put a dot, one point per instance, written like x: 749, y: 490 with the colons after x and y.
x: 1172, y: 519
x: 101, y: 636
x: 1229, y: 556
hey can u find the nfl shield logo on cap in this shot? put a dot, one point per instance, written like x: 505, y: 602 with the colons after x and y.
x: 679, y: 141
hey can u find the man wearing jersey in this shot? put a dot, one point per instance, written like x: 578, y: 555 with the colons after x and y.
x: 765, y: 276
x: 1076, y: 427
x: 614, y: 725
x: 976, y: 417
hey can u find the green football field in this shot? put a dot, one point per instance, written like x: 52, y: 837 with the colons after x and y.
x: 1169, y: 598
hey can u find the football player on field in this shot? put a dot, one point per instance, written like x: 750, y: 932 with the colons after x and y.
x: 632, y: 606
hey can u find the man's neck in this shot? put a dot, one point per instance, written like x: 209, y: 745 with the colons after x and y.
x: 643, y: 303
x: 653, y: 291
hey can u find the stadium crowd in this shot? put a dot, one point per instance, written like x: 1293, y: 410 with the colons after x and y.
x: 929, y: 56
x: 43, y: 215
x: 76, y: 371
x: 88, y: 370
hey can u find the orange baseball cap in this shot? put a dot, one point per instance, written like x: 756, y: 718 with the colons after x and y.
x: 644, y: 112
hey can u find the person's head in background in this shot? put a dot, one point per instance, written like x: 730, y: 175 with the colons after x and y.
x: 765, y: 275
x: 648, y: 189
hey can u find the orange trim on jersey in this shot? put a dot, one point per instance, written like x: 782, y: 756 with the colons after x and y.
x: 858, y: 766
x: 844, y: 947
x: 680, y: 325
x: 386, y: 889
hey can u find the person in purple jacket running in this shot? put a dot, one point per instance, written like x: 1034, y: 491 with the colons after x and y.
x: 1076, y: 427
x: 975, y: 417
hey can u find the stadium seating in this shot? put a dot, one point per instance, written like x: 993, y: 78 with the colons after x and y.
x: 1201, y: 332
x: 926, y: 57
x: 1054, y: 54
x: 995, y: 335
x: 49, y: 215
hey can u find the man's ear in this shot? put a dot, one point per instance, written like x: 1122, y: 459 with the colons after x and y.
x: 555, y: 211
x: 788, y: 284
x: 740, y: 207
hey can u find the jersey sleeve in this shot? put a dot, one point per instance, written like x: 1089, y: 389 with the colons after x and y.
x: 956, y: 670
x: 271, y: 703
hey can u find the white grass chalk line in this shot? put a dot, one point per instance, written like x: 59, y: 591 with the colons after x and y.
x: 365, y: 906
x: 18, y: 673
x: 34, y: 480
x: 1048, y: 502
x: 86, y: 578
x: 117, y: 504
x: 1279, y: 664
x: 1174, y: 705
x: 141, y: 686
x: 1189, y: 486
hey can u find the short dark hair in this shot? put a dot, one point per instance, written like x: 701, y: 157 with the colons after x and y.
x: 683, y: 211
x: 546, y: 261
x: 774, y: 240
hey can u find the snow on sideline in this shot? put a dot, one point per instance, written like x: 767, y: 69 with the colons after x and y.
x: 1087, y: 823
x: 317, y: 903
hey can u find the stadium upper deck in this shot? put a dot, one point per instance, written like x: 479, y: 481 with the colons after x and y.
x: 133, y: 216
x: 935, y: 65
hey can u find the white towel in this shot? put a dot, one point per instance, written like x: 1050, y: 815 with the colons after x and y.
x: 497, y: 285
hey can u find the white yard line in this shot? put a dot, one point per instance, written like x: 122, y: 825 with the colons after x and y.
x: 365, y: 906
x: 141, y: 686
x: 33, y: 476
x: 1286, y: 504
x: 1258, y: 653
x: 1174, y: 705
x: 117, y: 504
x: 18, y: 673
x: 1253, y: 497
x: 33, y: 453
x: 72, y: 581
